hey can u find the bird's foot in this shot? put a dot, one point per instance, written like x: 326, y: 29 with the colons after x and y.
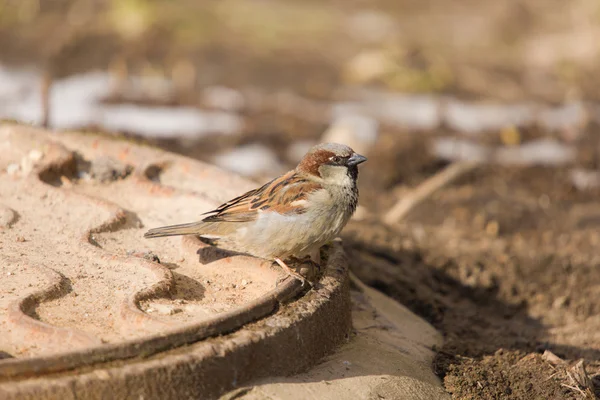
x: 307, y: 267
x: 291, y: 271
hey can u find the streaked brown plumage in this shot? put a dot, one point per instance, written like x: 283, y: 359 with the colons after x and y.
x: 291, y: 215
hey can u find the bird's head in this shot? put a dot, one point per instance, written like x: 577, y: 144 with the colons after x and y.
x: 332, y: 162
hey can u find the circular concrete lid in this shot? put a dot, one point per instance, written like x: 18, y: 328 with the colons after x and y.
x: 87, y: 304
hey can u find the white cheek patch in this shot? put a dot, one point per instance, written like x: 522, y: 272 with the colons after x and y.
x: 339, y: 175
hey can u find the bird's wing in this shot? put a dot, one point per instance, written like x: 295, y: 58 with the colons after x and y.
x: 284, y: 195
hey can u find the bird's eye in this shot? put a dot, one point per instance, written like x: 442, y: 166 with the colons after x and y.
x: 336, y: 159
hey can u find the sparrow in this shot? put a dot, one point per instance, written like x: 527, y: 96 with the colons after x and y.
x: 289, y: 217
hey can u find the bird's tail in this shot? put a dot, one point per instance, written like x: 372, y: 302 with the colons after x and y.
x: 194, y: 228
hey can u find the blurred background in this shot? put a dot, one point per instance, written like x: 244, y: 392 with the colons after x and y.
x: 267, y: 78
x: 504, y: 258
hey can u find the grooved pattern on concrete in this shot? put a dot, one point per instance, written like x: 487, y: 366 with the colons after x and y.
x: 82, y: 288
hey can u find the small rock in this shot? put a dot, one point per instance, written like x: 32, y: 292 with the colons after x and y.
x: 552, y: 358
x: 20, y: 239
x: 244, y: 282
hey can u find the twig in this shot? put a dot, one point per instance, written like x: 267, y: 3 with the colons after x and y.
x: 426, y: 189
x: 46, y: 85
x: 573, y: 388
x: 581, y: 376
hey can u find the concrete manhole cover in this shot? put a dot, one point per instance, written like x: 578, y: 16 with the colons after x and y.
x: 87, y: 305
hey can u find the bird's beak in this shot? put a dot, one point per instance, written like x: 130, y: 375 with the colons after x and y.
x: 356, y: 159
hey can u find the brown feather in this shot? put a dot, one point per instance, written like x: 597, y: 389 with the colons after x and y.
x: 310, y: 163
x: 276, y: 195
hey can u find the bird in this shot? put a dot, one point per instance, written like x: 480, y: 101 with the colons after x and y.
x: 291, y: 216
